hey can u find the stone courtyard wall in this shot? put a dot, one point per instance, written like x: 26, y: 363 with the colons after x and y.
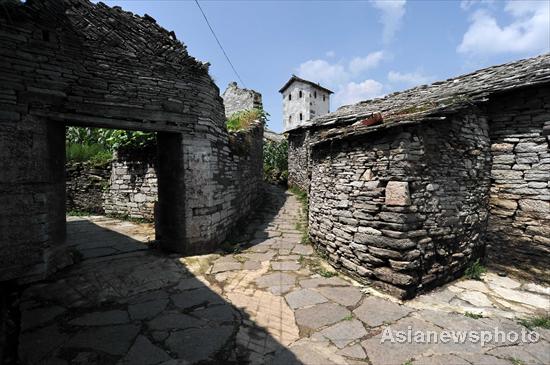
x: 133, y: 185
x: 299, y: 168
x: 519, y: 225
x: 405, y: 208
x: 86, y: 186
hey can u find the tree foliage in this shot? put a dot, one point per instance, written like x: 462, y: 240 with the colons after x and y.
x: 97, y: 144
x: 276, y: 161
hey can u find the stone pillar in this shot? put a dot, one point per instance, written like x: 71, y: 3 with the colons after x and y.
x: 170, y: 214
x: 32, y: 199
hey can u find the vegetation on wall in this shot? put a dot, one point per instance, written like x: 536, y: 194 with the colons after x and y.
x: 276, y: 161
x: 242, y: 120
x: 96, y: 145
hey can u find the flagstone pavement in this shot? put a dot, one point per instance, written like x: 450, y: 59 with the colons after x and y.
x: 272, y: 300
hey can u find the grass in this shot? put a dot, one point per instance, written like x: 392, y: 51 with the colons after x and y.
x: 473, y: 315
x: 78, y: 213
x: 349, y: 317
x: 323, y: 272
x: 539, y: 321
x: 123, y: 217
x: 475, y: 270
x: 96, y: 154
x: 516, y: 361
x: 127, y: 217
x: 302, y: 225
x: 243, y: 119
x: 408, y: 362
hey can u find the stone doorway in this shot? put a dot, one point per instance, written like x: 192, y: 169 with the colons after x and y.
x: 111, y: 191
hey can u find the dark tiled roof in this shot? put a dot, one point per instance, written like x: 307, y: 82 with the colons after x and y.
x: 430, y: 101
x: 296, y: 78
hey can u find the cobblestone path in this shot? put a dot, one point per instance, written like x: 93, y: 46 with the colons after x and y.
x: 270, y: 301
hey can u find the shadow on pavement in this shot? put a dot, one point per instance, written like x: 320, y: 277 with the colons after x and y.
x: 129, y: 304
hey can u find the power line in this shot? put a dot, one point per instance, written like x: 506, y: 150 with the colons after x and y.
x: 219, y: 44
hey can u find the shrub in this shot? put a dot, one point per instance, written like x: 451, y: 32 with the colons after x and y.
x: 242, y: 120
x: 475, y: 270
x: 120, y: 139
x: 95, y: 153
x: 96, y: 145
x: 276, y: 161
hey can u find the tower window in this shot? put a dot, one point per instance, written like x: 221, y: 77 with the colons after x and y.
x: 324, y: 98
x: 290, y: 118
x: 300, y: 116
x: 315, y: 94
x: 289, y: 96
x: 300, y: 94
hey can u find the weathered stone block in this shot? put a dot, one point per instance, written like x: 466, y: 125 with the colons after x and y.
x: 397, y: 193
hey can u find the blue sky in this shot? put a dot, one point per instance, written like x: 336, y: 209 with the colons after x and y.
x: 359, y: 49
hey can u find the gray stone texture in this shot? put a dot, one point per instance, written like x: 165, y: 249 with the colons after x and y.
x: 72, y: 62
x: 409, y: 203
x: 428, y: 227
x: 519, y: 233
x: 236, y: 99
x: 320, y: 315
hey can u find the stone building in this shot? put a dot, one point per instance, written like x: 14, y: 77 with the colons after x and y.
x: 236, y: 99
x: 72, y: 62
x: 408, y: 190
x: 303, y: 100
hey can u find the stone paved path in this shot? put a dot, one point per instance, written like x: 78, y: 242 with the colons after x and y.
x: 272, y: 301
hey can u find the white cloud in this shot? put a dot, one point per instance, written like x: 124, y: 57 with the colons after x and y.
x: 467, y: 4
x: 323, y: 72
x: 528, y: 32
x: 330, y: 54
x: 342, y: 77
x: 360, y: 64
x: 392, y: 14
x: 353, y: 92
x: 410, y: 79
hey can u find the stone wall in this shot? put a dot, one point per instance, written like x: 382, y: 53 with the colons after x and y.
x: 236, y: 99
x: 299, y: 168
x: 133, y: 184
x: 405, y: 208
x: 72, y: 62
x: 86, y: 186
x: 519, y: 225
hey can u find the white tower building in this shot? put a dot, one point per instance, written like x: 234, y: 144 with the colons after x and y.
x: 303, y: 100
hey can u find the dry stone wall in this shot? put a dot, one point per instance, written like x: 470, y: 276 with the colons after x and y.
x: 73, y: 62
x: 86, y: 186
x: 133, y: 184
x: 236, y: 99
x: 519, y: 226
x: 299, y: 167
x: 406, y: 208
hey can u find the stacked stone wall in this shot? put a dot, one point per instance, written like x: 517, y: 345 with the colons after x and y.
x: 86, y: 186
x: 73, y: 62
x: 133, y: 184
x: 519, y: 226
x: 406, y: 208
x: 299, y: 168
x: 236, y: 99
